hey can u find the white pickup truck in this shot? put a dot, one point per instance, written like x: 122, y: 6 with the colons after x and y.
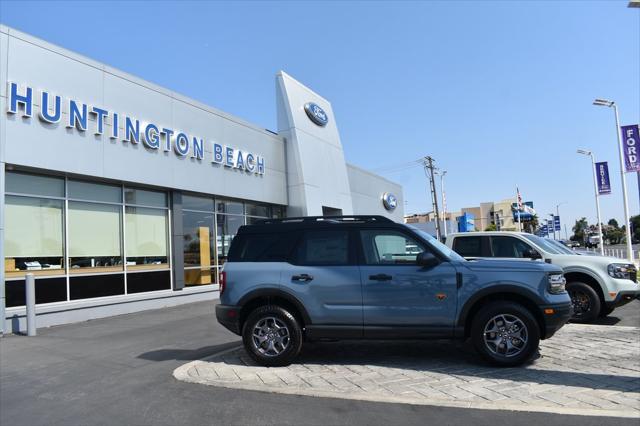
x: 597, y: 284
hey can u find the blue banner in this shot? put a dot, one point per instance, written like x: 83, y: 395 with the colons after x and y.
x: 631, y: 143
x: 556, y: 223
x: 602, y: 176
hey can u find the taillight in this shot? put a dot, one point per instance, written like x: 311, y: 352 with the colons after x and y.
x: 223, y: 281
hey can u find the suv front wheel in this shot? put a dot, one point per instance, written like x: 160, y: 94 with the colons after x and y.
x: 272, y: 336
x: 585, y: 300
x: 505, y: 333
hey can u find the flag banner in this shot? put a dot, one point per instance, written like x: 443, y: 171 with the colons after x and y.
x: 631, y: 144
x: 602, y: 176
x: 556, y: 223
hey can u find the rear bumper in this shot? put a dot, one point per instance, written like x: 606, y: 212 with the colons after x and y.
x: 555, y: 316
x: 229, y: 317
x: 623, y: 298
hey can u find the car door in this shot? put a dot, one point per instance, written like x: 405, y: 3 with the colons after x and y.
x: 324, y: 276
x: 398, y: 295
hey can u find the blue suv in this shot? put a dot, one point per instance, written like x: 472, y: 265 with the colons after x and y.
x: 292, y: 280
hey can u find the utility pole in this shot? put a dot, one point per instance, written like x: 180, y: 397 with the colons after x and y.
x: 427, y: 162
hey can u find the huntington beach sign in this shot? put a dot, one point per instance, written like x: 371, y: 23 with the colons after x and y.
x: 126, y: 128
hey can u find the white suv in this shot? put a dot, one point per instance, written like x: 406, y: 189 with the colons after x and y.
x: 597, y: 284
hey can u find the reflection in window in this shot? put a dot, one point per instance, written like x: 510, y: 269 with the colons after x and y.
x: 146, y: 238
x: 94, y: 237
x: 256, y: 210
x: 229, y: 207
x: 198, y: 247
x: 228, y: 226
x: 143, y: 197
x: 22, y: 183
x: 94, y: 191
x: 389, y: 247
x: 191, y: 202
x: 323, y: 248
x: 33, y: 236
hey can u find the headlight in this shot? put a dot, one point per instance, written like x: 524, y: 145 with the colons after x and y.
x: 623, y: 271
x: 557, y: 283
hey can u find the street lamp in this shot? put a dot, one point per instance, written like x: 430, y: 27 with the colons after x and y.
x: 595, y: 187
x: 444, y: 201
x: 558, y: 214
x: 612, y: 104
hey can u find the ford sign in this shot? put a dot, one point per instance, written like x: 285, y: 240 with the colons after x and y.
x: 389, y: 201
x: 316, y: 114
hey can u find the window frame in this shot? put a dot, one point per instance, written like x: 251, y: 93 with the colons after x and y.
x: 352, y: 254
x: 362, y: 261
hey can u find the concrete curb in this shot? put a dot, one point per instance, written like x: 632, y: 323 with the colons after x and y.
x: 182, y: 373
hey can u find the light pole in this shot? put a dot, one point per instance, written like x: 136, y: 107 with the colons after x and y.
x: 554, y: 219
x: 444, y: 201
x: 595, y: 187
x: 611, y: 104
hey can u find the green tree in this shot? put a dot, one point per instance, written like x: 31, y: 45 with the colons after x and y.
x: 578, y: 229
x: 614, y: 223
x: 491, y: 227
x: 635, y: 227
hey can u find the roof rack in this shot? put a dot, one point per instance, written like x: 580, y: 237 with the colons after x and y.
x: 327, y: 219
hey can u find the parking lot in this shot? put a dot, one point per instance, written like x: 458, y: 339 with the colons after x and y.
x: 120, y: 370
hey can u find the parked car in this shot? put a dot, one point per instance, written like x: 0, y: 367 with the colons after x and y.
x: 287, y: 281
x: 597, y: 284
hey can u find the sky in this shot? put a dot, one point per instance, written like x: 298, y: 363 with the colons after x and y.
x: 498, y: 93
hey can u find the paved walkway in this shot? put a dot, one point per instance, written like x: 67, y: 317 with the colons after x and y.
x: 583, y: 369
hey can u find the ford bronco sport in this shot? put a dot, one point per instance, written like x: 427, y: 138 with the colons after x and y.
x: 292, y: 280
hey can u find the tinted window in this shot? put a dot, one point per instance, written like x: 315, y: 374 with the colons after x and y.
x: 323, y: 248
x: 261, y: 248
x: 468, y: 246
x: 389, y: 247
x: 508, y: 247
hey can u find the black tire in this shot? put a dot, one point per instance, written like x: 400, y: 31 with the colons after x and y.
x: 496, y: 354
x: 273, y: 319
x: 586, y: 302
x: 604, y: 311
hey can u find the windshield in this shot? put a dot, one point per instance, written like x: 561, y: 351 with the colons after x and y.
x: 561, y: 247
x: 438, y: 245
x: 544, y: 244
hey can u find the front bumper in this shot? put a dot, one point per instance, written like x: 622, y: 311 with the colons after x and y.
x: 555, y: 316
x: 229, y: 317
x: 622, y: 298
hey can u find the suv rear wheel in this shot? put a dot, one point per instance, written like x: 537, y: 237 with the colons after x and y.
x: 505, y: 333
x: 272, y: 336
x: 585, y: 300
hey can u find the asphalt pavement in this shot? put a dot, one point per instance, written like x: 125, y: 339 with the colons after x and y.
x: 119, y: 371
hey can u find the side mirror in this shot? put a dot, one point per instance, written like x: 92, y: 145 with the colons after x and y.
x: 532, y: 254
x: 427, y: 259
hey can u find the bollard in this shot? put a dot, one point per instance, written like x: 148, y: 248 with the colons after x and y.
x: 31, y: 304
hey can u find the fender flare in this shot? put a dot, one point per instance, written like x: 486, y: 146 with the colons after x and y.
x: 512, y: 289
x: 276, y: 292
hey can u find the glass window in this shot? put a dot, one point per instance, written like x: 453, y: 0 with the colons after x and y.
x: 389, y: 247
x: 261, y: 247
x: 277, y: 212
x: 34, y: 236
x: 198, y: 239
x: 508, y: 247
x: 146, y: 238
x: 323, y: 248
x: 199, y: 276
x: 94, y: 191
x: 48, y: 290
x: 143, y: 197
x: 190, y: 202
x: 89, y: 286
x: 22, y: 183
x: 139, y: 282
x: 544, y: 244
x: 468, y: 246
x: 228, y: 226
x: 253, y: 220
x: 229, y: 207
x: 256, y: 210
x: 94, y: 237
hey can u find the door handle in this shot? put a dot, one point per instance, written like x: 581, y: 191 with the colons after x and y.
x: 302, y: 277
x: 380, y: 277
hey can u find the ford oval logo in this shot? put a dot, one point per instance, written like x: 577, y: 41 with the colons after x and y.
x: 316, y: 114
x: 389, y: 201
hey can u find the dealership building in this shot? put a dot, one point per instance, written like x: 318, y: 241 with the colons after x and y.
x: 120, y: 195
